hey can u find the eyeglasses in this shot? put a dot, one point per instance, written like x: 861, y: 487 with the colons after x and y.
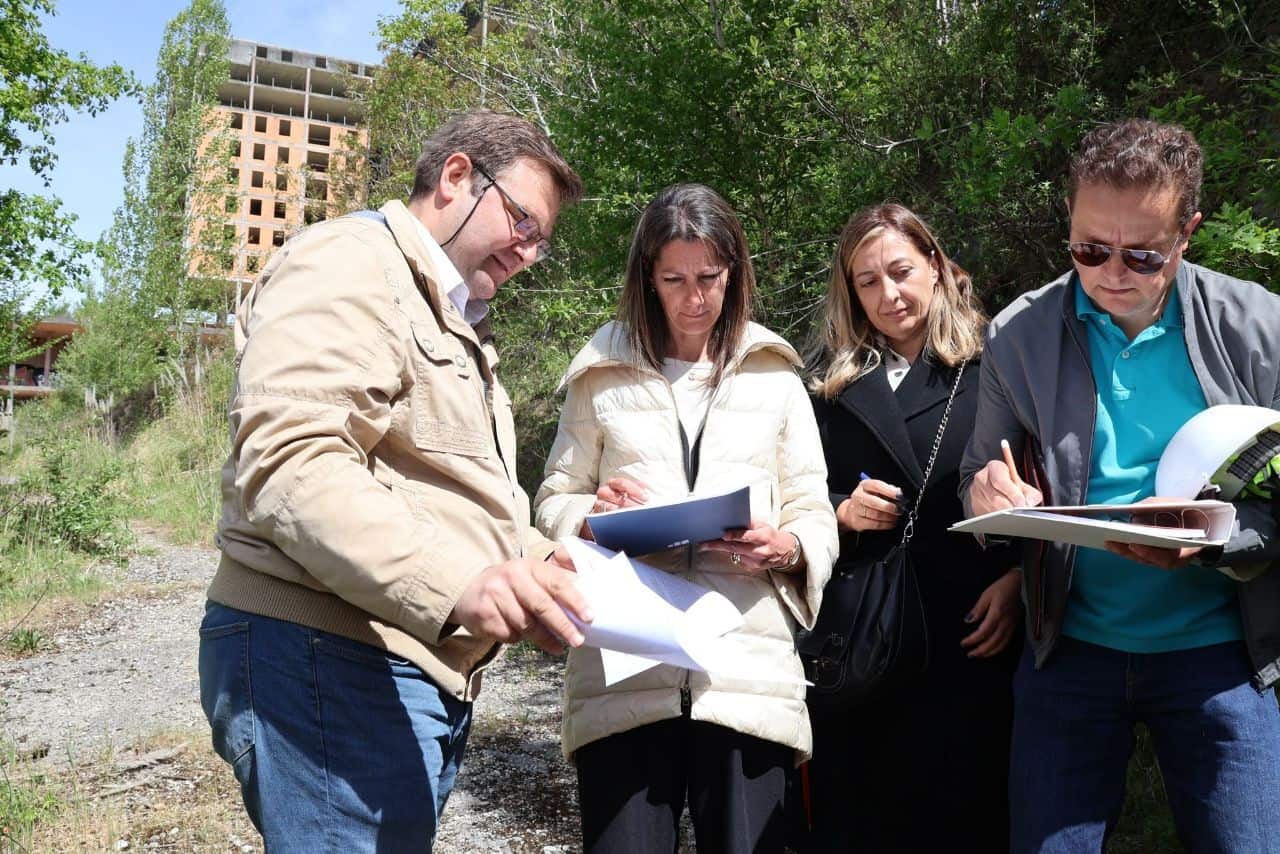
x: 1144, y: 262
x: 527, y: 228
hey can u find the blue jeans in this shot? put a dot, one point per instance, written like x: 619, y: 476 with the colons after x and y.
x: 1216, y: 738
x: 337, y: 746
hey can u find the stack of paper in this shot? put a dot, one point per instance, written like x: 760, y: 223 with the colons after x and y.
x: 645, y: 617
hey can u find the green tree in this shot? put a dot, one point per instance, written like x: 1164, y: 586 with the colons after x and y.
x: 41, y: 85
x: 159, y: 270
x: 801, y: 112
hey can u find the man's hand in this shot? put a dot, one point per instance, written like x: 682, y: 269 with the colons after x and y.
x: 1156, y: 556
x: 523, y: 599
x: 997, y: 486
x: 614, y: 494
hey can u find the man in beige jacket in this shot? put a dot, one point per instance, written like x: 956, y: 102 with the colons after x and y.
x: 376, y: 547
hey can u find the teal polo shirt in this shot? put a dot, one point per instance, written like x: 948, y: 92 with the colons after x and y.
x: 1146, y: 390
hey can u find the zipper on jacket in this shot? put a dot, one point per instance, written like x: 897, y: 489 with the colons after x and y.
x: 1087, y: 462
x: 686, y: 696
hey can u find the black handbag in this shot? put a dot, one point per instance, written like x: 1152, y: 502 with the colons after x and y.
x: 871, y: 626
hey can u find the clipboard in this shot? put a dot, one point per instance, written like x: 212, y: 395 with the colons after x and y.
x: 665, y: 525
x: 1092, y: 525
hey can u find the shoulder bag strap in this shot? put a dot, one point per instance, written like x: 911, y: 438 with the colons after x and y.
x: 908, y: 530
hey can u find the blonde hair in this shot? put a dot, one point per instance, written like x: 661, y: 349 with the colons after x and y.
x: 846, y: 346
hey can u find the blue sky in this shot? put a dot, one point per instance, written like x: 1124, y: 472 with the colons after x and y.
x: 90, y: 148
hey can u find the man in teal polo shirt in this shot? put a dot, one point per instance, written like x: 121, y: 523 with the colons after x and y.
x: 1092, y: 375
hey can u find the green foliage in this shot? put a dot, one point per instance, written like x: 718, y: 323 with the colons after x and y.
x: 73, y: 500
x: 41, y: 84
x: 25, y: 641
x: 802, y: 112
x: 1237, y: 242
x: 159, y: 272
x: 120, y: 348
x: 26, y: 801
x: 1146, y: 824
x: 37, y: 245
x: 174, y: 461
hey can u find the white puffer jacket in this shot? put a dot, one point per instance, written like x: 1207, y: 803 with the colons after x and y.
x: 619, y: 419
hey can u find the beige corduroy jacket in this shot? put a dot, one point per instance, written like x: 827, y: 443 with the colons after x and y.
x: 620, y: 420
x: 372, y: 466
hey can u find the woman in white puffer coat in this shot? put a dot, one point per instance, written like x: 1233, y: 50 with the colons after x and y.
x: 685, y: 395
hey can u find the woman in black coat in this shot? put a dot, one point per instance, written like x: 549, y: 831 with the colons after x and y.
x: 923, y: 765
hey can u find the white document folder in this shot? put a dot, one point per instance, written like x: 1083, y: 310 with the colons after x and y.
x: 1093, y: 525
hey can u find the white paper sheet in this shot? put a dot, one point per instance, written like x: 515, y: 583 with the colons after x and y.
x: 645, y: 617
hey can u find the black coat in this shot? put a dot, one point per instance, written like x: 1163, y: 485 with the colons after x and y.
x: 926, y: 762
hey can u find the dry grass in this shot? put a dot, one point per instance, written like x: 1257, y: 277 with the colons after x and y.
x: 167, y: 792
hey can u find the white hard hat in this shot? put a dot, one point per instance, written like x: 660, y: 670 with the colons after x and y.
x: 1218, y: 447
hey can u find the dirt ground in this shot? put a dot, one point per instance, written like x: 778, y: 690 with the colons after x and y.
x: 107, y: 715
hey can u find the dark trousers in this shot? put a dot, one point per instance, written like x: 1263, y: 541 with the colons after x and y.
x: 921, y: 769
x: 632, y: 788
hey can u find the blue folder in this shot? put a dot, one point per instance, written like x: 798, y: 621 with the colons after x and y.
x: 652, y: 528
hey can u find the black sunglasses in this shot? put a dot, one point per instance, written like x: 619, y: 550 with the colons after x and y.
x: 1144, y: 262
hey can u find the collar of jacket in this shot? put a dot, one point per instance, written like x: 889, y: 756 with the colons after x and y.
x: 886, y: 413
x: 1073, y: 489
x: 609, y: 347
x: 400, y: 223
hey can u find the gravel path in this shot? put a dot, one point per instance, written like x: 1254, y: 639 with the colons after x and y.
x: 126, y: 671
x: 129, y: 670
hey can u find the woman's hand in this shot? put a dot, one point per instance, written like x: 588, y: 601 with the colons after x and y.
x: 758, y: 548
x: 996, y: 615
x: 614, y: 494
x: 873, y: 506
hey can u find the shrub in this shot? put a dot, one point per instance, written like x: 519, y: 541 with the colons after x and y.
x: 72, y: 500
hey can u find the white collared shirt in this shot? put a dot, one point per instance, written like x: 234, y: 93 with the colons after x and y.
x: 689, y: 386
x: 895, y: 366
x: 455, y: 287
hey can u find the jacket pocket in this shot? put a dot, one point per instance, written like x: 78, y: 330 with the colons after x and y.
x: 449, y: 413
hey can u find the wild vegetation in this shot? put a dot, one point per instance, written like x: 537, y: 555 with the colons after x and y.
x: 801, y: 112
x: 136, y: 430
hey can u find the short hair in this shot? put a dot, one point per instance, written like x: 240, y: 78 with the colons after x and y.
x: 1141, y: 153
x: 847, y: 346
x: 686, y: 212
x: 495, y: 141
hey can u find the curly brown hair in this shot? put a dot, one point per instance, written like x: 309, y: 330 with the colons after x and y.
x: 1141, y: 153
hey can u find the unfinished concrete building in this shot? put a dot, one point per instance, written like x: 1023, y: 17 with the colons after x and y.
x: 297, y: 148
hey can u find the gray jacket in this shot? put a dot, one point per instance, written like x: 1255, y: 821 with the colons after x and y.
x: 1037, y: 391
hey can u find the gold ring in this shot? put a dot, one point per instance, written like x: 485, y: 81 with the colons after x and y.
x: 736, y: 558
